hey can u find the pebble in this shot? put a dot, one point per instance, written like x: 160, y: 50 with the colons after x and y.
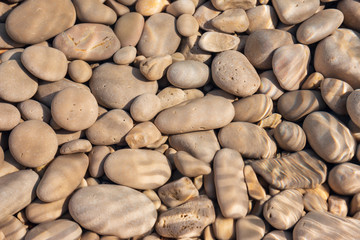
x: 145, y: 107
x: 351, y: 14
x: 152, y: 195
x: 171, y: 96
x: 329, y: 138
x: 255, y: 190
x: 93, y: 11
x: 11, y: 54
x: 188, y: 74
x: 344, y: 179
x: 150, y: 7
x: 231, y: 20
x: 250, y: 227
x: 223, y: 228
x: 190, y: 166
x: 191, y: 50
x: 89, y: 207
x: 355, y: 204
x: 224, y: 5
x: 180, y: 7
x: 269, y: 85
x: 297, y: 170
x: 313, y: 81
x: 154, y: 68
x: 125, y: 55
x: 290, y: 136
x: 79, y: 71
x: 352, y: 106
x: 128, y: 28
x: 204, y: 14
x: 261, y: 17
x: 34, y: 110
x: 5, y: 40
x: 314, y: 202
x: 76, y: 146
x: 187, y: 25
x: 119, y: 8
x: 218, y: 42
x: 97, y: 157
x: 278, y: 235
x: 39, y: 211
x: 12, y: 228
x: 338, y: 205
x: 335, y: 93
x: 253, y: 108
x: 142, y: 135
x: 10, y: 117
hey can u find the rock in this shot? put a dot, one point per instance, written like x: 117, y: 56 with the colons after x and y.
x: 150, y: 7
x: 270, y: 122
x: 121, y: 87
x: 254, y: 188
x: 97, y: 157
x: 131, y: 167
x: 39, y: 212
x: 250, y: 140
x: 154, y: 68
x: 119, y: 8
x: 298, y: 170
x: 224, y: 5
x: 338, y: 205
x: 93, y: 11
x: 290, y: 136
x: 313, y: 81
x: 204, y: 14
x: 352, y: 106
x: 253, y: 108
x: 218, y: 42
x: 278, y: 235
x: 5, y: 40
x: 186, y: 220
x: 64, y: 136
x: 125, y: 55
x: 34, y: 110
x: 132, y: 213
x: 76, y: 146
x: 87, y: 41
x: 290, y: 65
x: 11, y: 54
x: 142, y: 135
x: 334, y: 59
x: 152, y: 195
x: 62, y: 228
x: 344, y: 178
x: 319, y: 26
x: 314, y: 202
x: 171, y: 96
x: 350, y: 9
x: 335, y: 92
x: 159, y: 36
x: 79, y: 71
x: 191, y: 50
x: 181, y: 7
x: 250, y: 227
x: 25, y: 25
x: 231, y: 20
x: 10, y: 116
x: 12, y: 228
x: 129, y: 27
x: 190, y: 166
x: 261, y: 17
x: 233, y: 73
x: 269, y: 85
x: 222, y: 228
x: 145, y: 107
x: 187, y: 25
x: 329, y: 138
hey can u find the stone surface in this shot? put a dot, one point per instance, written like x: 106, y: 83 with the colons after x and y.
x: 250, y: 227
x: 253, y: 108
x: 254, y: 188
x: 76, y: 146
x: 290, y: 136
x: 10, y: 116
x: 34, y: 110
x: 190, y: 166
x: 204, y: 14
x: 13, y: 228
x: 142, y: 135
x: 344, y: 178
x: 231, y: 20
x: 187, y: 25
x: 145, y: 107
x: 218, y: 42
x: 39, y: 211
x: 93, y: 11
x: 79, y: 71
x: 350, y: 9
x: 261, y: 17
x: 224, y: 5
x: 125, y: 55
x: 150, y: 7
x: 62, y: 229
x: 154, y: 68
x: 128, y: 28
x: 269, y: 85
x: 178, y: 8
x: 352, y: 106
x: 335, y: 93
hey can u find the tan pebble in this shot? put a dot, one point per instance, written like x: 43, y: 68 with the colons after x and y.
x: 218, y: 42
x: 329, y: 138
x: 198, y: 181
x: 322, y: 190
x: 190, y: 166
x: 193, y: 94
x: 208, y: 233
x: 64, y: 136
x: 145, y: 107
x: 150, y: 7
x: 79, y: 71
x: 161, y: 149
x: 11, y: 54
x: 76, y: 146
x: 356, y: 215
x: 261, y: 17
x: 335, y: 93
x: 142, y: 135
x: 34, y: 110
x: 62, y: 177
x: 177, y: 56
x: 187, y: 25
x: 204, y: 14
x: 111, y: 128
x: 188, y: 74
x: 222, y: 93
x: 271, y: 121
x: 254, y: 188
x: 152, y: 236
x: 355, y: 204
x: 39, y: 212
x: 352, y: 106
x: 294, y: 12
x: 224, y: 5
x: 295, y: 105
x: 253, y: 108
x: 93, y: 11
x: 117, y: 7
x: 121, y: 87
x: 62, y: 229
x: 90, y: 181
x: 314, y: 202
x: 180, y: 7
x: 247, y: 138
x: 250, y: 227
x: 290, y: 136
x: 334, y: 59
x: 269, y: 85
x: 191, y: 50
x: 313, y: 81
x: 231, y: 20
x: 223, y: 228
x: 350, y: 9
x: 12, y: 228
x: 97, y: 157
x: 278, y: 235
x: 154, y: 68
x: 5, y: 41
x: 9, y: 164
x: 152, y: 195
x: 338, y: 205
x: 261, y: 44
x: 88, y: 235
x: 186, y: 220
x: 125, y: 55
x: 171, y: 96
x: 344, y: 179
x: 354, y: 129
x: 128, y: 28
x: 10, y: 116
x: 230, y: 184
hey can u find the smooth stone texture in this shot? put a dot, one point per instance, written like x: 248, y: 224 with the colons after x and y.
x: 290, y: 136
x: 93, y: 11
x: 335, y: 93
x: 278, y: 235
x: 79, y: 71
x: 39, y: 212
x: 261, y: 44
x: 46, y: 63
x: 190, y: 166
x: 230, y: 184
x: 253, y: 108
x: 145, y: 107
x: 28, y: 148
x: 314, y: 202
x: 138, y: 168
x: 76, y: 146
x: 9, y: 164
x: 334, y: 59
x: 183, y: 117
x: 159, y: 36
x: 283, y: 210
x: 154, y: 68
x: 218, y: 42
x: 150, y: 7
x: 113, y: 210
x: 350, y: 9
x: 125, y: 55
x: 261, y: 17
x: 355, y: 204
x: 250, y: 227
x: 329, y: 138
x: 186, y: 220
x: 298, y: 170
x: 97, y: 157
x: 231, y: 20
x: 13, y: 228
x: 352, y: 106
x: 34, y: 110
x: 191, y: 50
x: 250, y: 140
x: 88, y: 42
x: 5, y: 40
x: 319, y: 26
x: 222, y: 228
x: 5, y: 9
x: 25, y: 25
x: 326, y: 226
x: 233, y: 73
x: 187, y: 25
x: 128, y: 28
x: 16, y: 83
x: 344, y: 179
x: 290, y: 65
x: 295, y: 105
x: 338, y: 205
x: 224, y: 5
x: 11, y: 54
x: 254, y: 188
x: 9, y: 116
x: 313, y: 81
x: 121, y: 87
x: 62, y: 177
x: 188, y: 74
x: 17, y: 190
x: 171, y: 96
x: 142, y: 135
x: 269, y: 85
x: 119, y: 8
x: 180, y: 7
x: 293, y: 12
x: 204, y: 14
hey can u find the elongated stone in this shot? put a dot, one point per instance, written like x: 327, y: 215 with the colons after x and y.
x: 335, y: 93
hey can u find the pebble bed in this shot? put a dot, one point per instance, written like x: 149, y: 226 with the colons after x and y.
x: 184, y: 119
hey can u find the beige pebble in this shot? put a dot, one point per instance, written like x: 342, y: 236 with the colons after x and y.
x: 313, y: 81
x: 62, y: 177
x: 338, y: 205
x: 79, y: 71
x: 222, y: 93
x: 12, y: 228
x: 97, y: 157
x: 329, y: 138
x: 154, y: 68
x: 290, y: 64
x: 25, y: 25
x: 231, y: 20
x: 10, y: 116
x: 319, y: 26
x: 270, y: 122
x: 39, y: 211
x: 350, y: 9
x: 193, y: 94
x: 87, y: 41
x: 344, y: 179
x: 204, y: 14
x: 125, y: 55
x: 171, y: 96
x: 191, y: 50
x: 253, y: 108
x: 128, y: 28
x: 290, y: 136
x: 177, y: 56
x: 93, y: 11
x: 187, y: 25
x: 250, y: 227
x: 190, y: 166
x: 352, y: 106
x: 322, y: 190
x: 335, y: 93
x: 5, y: 40
x: 177, y: 192
x: 254, y: 187
x: 224, y: 5
x: 145, y: 107
x: 314, y: 202
x: 334, y: 59
x: 64, y: 136
x: 118, y: 8
x: 261, y: 44
x: 278, y: 235
x: 295, y: 105
x: 150, y: 7
x: 186, y: 220
x: 233, y: 73
x: 218, y: 42
x: 88, y: 235
x: 269, y: 85
x: 354, y: 129
x: 355, y: 204
x: 90, y: 181
x: 248, y: 139
x: 209, y: 185
x: 142, y: 135
x: 132, y: 213
x: 152, y: 195
x: 208, y: 233
x: 76, y: 146
x: 223, y: 228
x: 121, y: 87
x: 34, y: 110
x: 198, y: 181
x: 261, y: 17
x: 152, y: 236
x: 180, y: 7
x: 283, y: 210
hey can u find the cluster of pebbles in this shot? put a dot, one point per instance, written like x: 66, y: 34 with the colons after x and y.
x: 186, y: 119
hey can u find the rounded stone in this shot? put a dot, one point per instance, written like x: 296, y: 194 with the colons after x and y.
x: 353, y: 106
x: 62, y: 229
x: 187, y: 25
x: 94, y: 11
x: 344, y: 179
x: 39, y: 211
x: 218, y: 42
x: 224, y: 4
x: 150, y: 7
x: 290, y: 136
x: 350, y: 9
x: 261, y: 17
x: 145, y: 107
x: 250, y: 227
x: 34, y: 110
x: 125, y: 55
x: 79, y: 71
x: 335, y: 93
x: 269, y: 85
x: 233, y: 73
x: 180, y: 7
x: 253, y: 108
x: 28, y: 148
x: 128, y: 28
x: 74, y: 109
x: 231, y: 20
x: 10, y: 116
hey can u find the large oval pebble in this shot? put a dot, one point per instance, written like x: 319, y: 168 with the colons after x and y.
x: 253, y: 108
x: 290, y: 136
x: 350, y: 9
x: 113, y: 210
x: 344, y: 179
x: 218, y: 42
x: 128, y: 28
